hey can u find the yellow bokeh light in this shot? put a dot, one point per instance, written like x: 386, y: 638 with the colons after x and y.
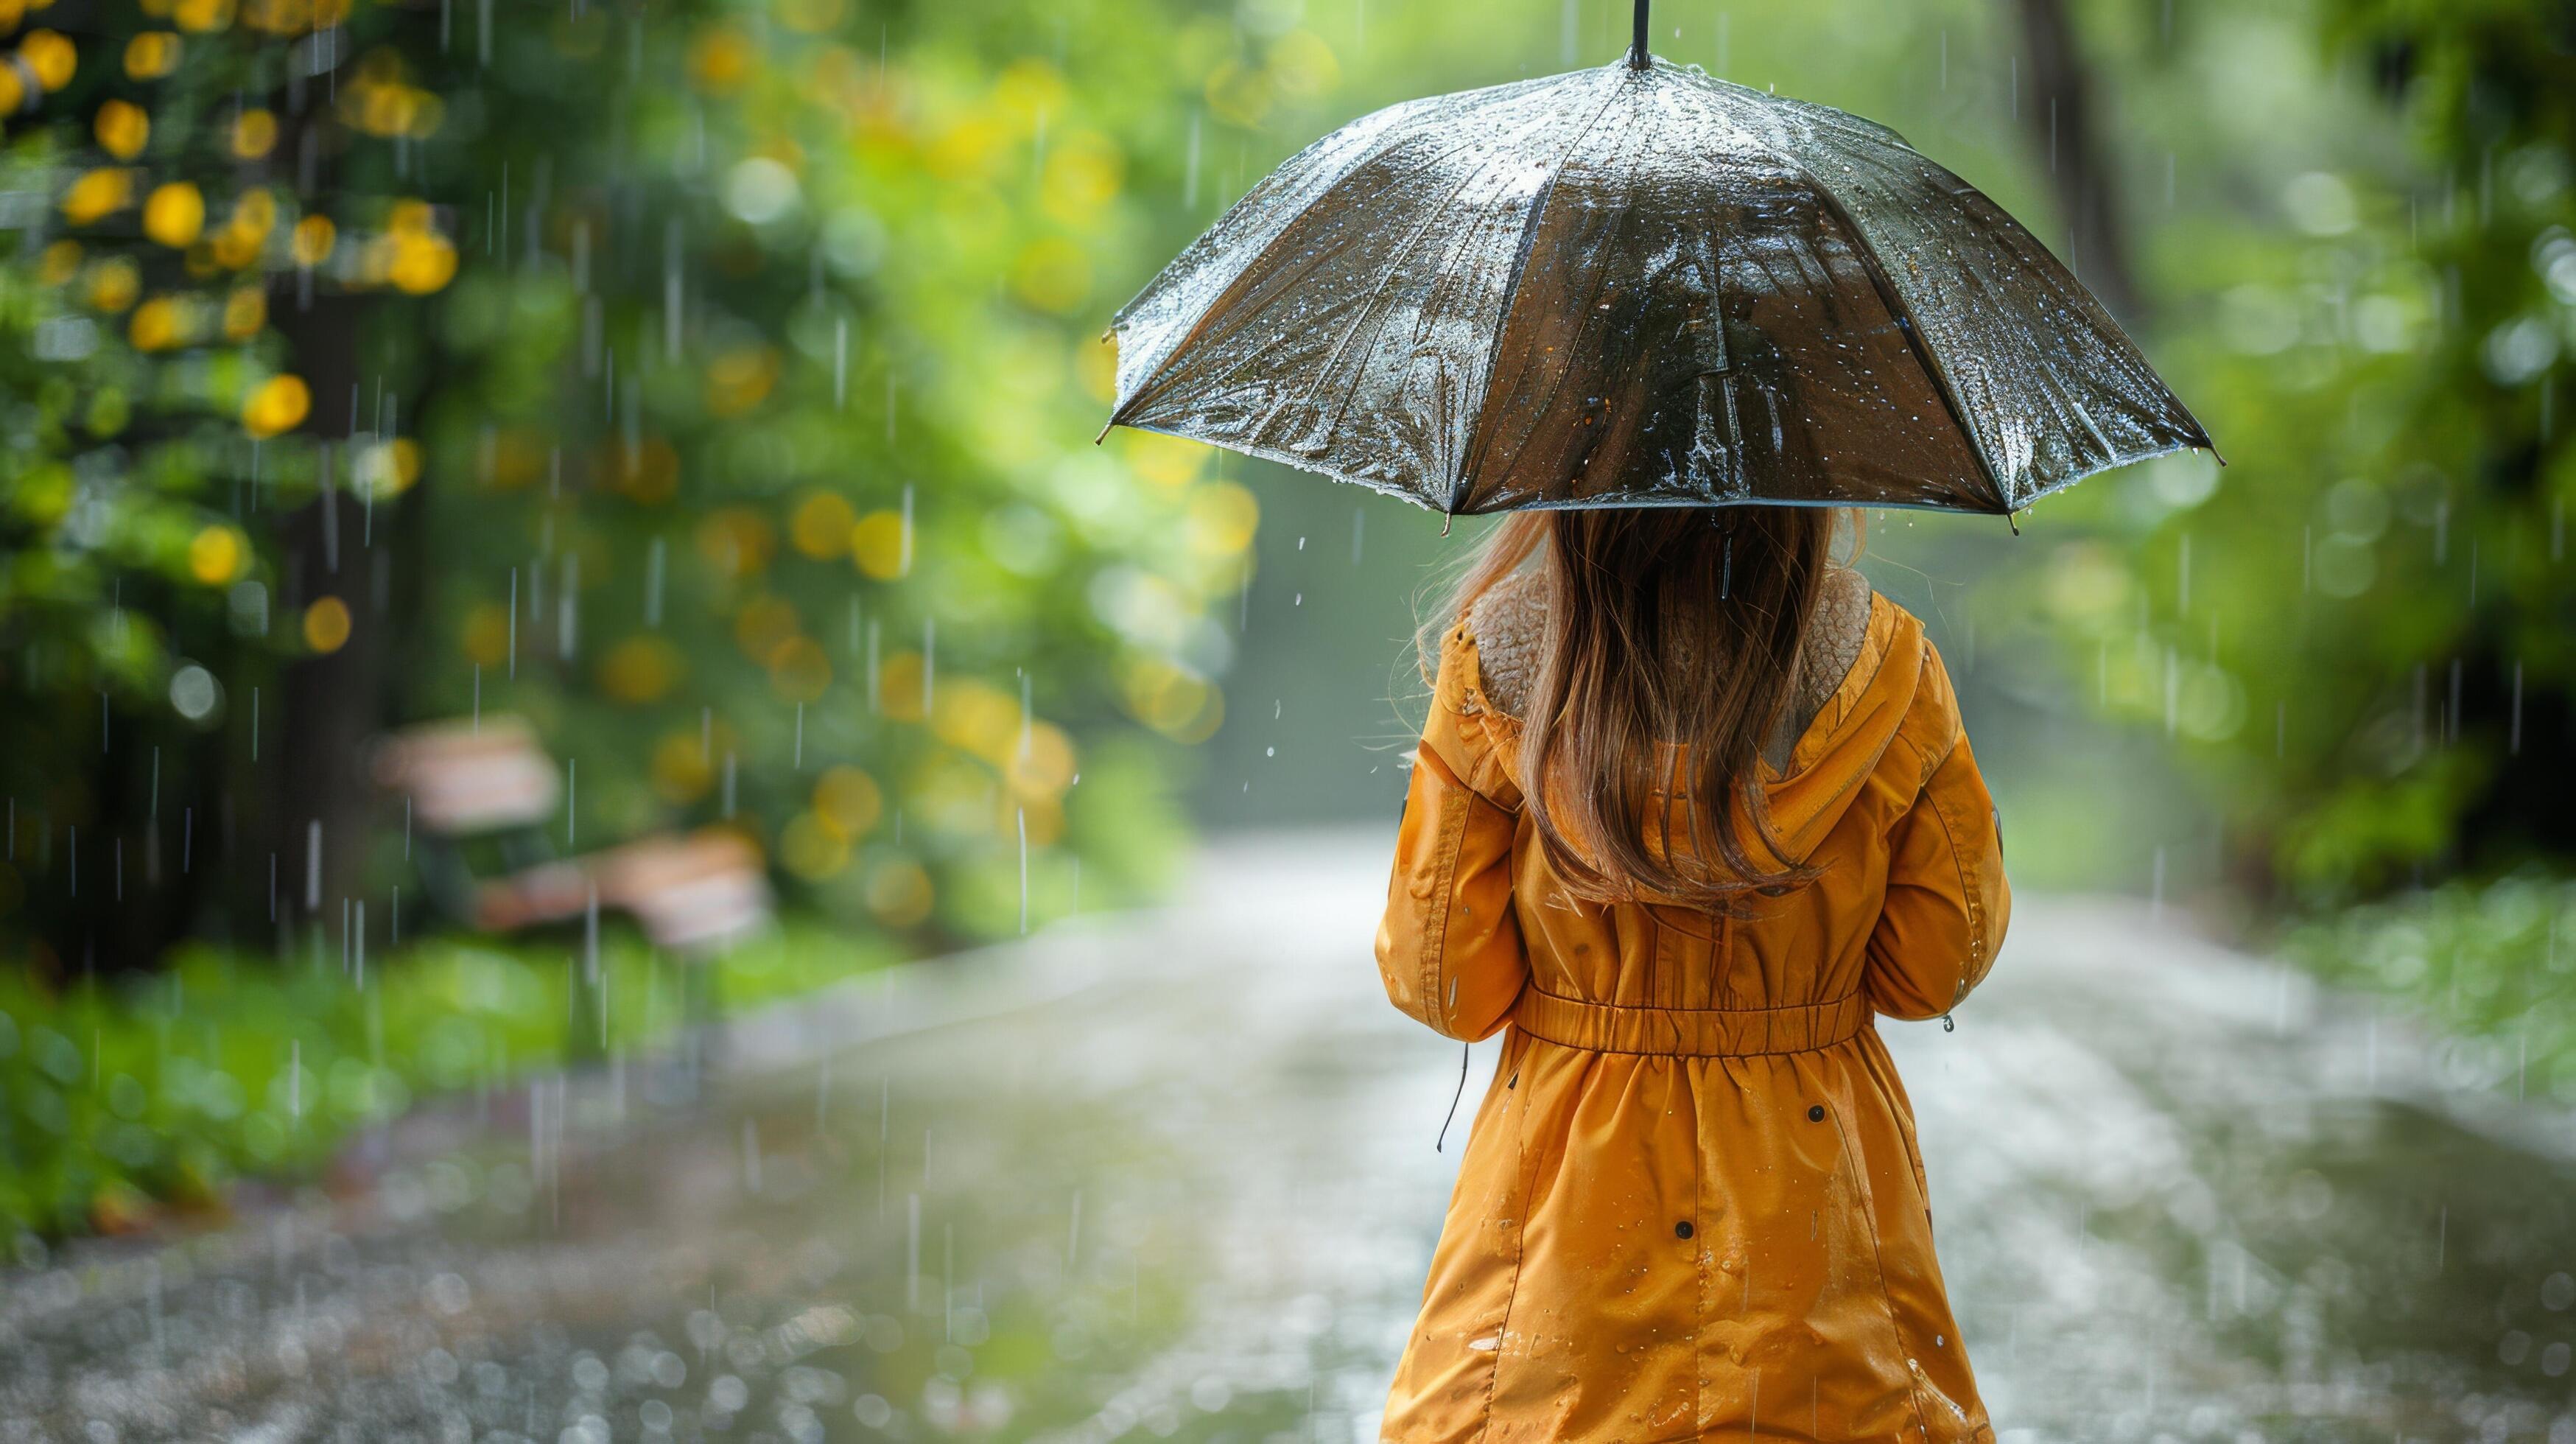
x: 821, y: 525
x: 254, y: 134
x: 422, y: 262
x: 114, y: 283
x: 217, y: 555
x: 849, y: 801
x: 681, y: 769
x: 326, y: 625
x: 202, y: 15
x: 97, y: 195
x: 122, y: 128
x: 158, y: 324
x: 245, y: 312
x: 276, y: 406
x: 310, y: 242
x: 740, y: 379
x: 879, y: 546
x: 174, y: 214
x: 49, y: 57
x: 152, y: 54
x: 720, y: 60
x: 639, y: 669
x: 736, y: 541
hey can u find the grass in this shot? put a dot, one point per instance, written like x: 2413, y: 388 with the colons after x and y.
x: 121, y: 1102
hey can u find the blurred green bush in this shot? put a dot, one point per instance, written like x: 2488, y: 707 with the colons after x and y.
x: 123, y: 1100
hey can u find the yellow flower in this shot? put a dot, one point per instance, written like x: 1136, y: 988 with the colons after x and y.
x: 276, y: 406
x: 113, y: 284
x: 174, y: 214
x: 879, y: 546
x: 49, y: 57
x: 245, y: 312
x: 97, y: 195
x: 422, y: 262
x: 152, y: 54
x: 639, y: 669
x: 158, y: 324
x: 848, y: 801
x: 13, y: 91
x: 202, y: 15
x: 310, y: 242
x: 217, y: 555
x: 254, y: 134
x: 326, y: 625
x: 122, y: 128
x: 821, y: 525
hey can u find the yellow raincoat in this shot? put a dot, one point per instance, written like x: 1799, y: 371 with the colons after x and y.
x: 1691, y: 1205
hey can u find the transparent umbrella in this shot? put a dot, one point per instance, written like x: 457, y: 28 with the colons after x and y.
x: 1638, y: 286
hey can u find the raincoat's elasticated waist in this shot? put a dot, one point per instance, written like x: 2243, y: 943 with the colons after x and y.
x: 1689, y: 1032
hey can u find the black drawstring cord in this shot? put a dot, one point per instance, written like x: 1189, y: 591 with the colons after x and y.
x: 1465, y: 1051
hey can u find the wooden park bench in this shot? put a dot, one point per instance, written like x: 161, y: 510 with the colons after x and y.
x: 484, y: 795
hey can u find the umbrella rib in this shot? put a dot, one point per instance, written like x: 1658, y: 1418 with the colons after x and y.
x: 1904, y: 314
x: 1472, y: 453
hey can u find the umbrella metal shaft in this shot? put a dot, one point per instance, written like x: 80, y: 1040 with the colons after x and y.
x: 1639, y: 57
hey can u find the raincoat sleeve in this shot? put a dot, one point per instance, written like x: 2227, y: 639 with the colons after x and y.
x: 1947, y: 902
x: 1449, y: 949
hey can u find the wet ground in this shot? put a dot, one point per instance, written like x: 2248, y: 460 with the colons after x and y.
x: 1172, y: 1177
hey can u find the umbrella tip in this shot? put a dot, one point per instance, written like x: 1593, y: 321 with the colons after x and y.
x: 1104, y: 431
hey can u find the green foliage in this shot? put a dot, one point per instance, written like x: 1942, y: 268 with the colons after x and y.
x: 117, y: 1100
x: 2357, y: 633
x: 2495, y: 964
x: 824, y: 553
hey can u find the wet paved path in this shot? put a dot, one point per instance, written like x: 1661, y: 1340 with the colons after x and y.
x: 1171, y: 1177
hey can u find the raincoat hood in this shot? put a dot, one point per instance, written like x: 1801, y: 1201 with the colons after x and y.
x: 1843, y: 747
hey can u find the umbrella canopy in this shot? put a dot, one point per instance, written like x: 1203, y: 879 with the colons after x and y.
x: 1638, y: 286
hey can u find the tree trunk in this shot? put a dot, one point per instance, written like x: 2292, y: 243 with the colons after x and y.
x: 2059, y: 110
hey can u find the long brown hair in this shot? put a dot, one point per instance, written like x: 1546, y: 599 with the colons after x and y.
x: 1622, y: 750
